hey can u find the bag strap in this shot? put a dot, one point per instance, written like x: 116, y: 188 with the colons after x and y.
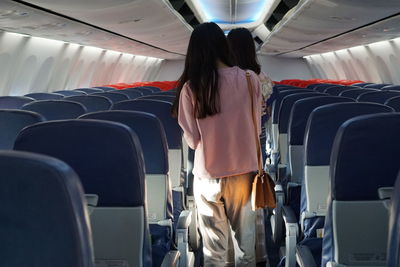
x: 250, y: 88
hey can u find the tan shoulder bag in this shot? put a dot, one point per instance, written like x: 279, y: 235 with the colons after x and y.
x: 263, y: 194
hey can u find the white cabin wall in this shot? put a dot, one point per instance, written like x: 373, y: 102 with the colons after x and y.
x: 31, y: 64
x: 171, y: 70
x: 378, y: 63
x: 281, y: 68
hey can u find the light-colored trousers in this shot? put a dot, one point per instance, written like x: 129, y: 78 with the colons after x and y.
x: 224, y: 204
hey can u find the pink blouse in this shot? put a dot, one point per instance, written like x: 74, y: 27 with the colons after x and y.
x: 224, y: 143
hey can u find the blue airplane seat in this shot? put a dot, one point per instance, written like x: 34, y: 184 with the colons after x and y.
x: 167, y: 98
x: 170, y: 93
x: 56, y: 109
x: 150, y: 132
x: 322, y: 126
x: 393, y: 252
x: 89, y: 91
x: 336, y: 90
x: 321, y: 88
x: 132, y: 94
x: 113, y: 96
x: 392, y: 87
x: 114, y: 171
x: 354, y: 93
x: 92, y: 103
x: 153, y: 89
x: 143, y: 90
x: 364, y: 161
x: 14, y: 102
x: 43, y: 214
x: 394, y: 102
x: 12, y: 121
x: 45, y: 96
x: 313, y: 85
x: 377, y: 97
x: 106, y: 88
x: 361, y: 84
x: 70, y: 92
x: 376, y: 85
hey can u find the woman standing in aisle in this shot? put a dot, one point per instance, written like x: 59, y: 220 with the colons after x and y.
x: 244, y: 54
x: 213, y: 107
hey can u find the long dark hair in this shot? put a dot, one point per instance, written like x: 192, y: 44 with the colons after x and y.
x: 243, y: 49
x: 207, y: 45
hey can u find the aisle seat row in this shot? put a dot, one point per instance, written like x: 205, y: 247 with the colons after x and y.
x: 305, y: 123
x: 165, y: 223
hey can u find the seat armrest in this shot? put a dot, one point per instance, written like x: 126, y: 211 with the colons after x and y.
x: 91, y: 202
x: 185, y: 218
x: 385, y: 194
x: 171, y: 259
x: 292, y: 231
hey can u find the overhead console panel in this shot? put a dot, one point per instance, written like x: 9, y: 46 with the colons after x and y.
x: 141, y: 27
x: 317, y: 26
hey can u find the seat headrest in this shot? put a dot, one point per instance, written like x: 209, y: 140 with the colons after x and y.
x: 279, y: 98
x: 324, y: 123
x: 150, y: 132
x: 286, y: 108
x: 162, y: 110
x: 113, y: 96
x: 301, y: 112
x: 365, y: 156
x: 56, y: 109
x: 45, y: 96
x: 14, y: 102
x: 354, y: 93
x: 394, y: 102
x: 43, y: 214
x: 377, y: 97
x: 106, y: 155
x: 91, y: 102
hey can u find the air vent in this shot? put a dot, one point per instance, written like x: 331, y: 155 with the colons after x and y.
x: 185, y: 11
x: 279, y: 12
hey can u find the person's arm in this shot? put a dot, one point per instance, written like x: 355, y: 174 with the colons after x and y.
x: 186, y: 118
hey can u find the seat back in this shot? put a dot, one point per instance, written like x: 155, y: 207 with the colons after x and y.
x: 167, y: 98
x: 12, y: 121
x: 377, y: 97
x: 153, y: 88
x: 321, y: 88
x: 162, y: 110
x: 321, y: 129
x: 296, y: 130
x: 14, y: 102
x: 90, y: 91
x: 313, y: 85
x: 106, y: 88
x: 70, y: 92
x: 336, y: 90
x: 150, y: 132
x: 131, y: 94
x: 275, y: 114
x: 283, y: 122
x: 376, y: 85
x: 394, y: 233
x: 45, y: 96
x: 113, y: 96
x: 392, y: 87
x: 44, y: 221
x: 354, y: 93
x: 360, y: 84
x: 363, y: 160
x: 394, y: 102
x: 56, y: 109
x: 108, y: 158
x: 92, y: 103
x: 143, y: 90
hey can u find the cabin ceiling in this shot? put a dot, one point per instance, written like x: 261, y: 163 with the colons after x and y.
x: 141, y: 27
x: 318, y: 26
